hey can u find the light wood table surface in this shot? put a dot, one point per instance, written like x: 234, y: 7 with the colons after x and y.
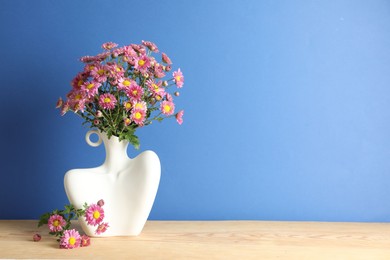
x: 211, y: 240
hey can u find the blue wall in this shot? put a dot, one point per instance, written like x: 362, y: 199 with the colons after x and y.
x: 287, y: 105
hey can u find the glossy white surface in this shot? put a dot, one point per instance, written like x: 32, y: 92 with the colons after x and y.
x: 127, y: 186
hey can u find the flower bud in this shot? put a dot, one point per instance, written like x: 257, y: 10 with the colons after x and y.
x: 85, y: 241
x: 59, y: 103
x: 100, y: 203
x: 166, y: 59
x: 127, y: 121
x: 99, y: 113
x: 37, y: 237
x: 96, y: 121
x: 176, y: 94
x: 168, y: 68
x: 165, y: 83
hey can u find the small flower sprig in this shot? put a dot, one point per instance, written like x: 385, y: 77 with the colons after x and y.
x: 59, y: 223
x: 124, y: 88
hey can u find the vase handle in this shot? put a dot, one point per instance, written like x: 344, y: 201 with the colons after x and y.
x: 93, y: 144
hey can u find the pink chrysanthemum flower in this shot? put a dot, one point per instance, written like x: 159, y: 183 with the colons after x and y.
x: 56, y: 223
x: 167, y: 107
x: 102, y: 56
x: 179, y: 117
x: 151, y: 46
x: 142, y: 63
x: 127, y: 105
x: 155, y: 87
x: 159, y: 71
x: 94, y: 215
x: 166, y: 59
x: 138, y: 116
x: 129, y: 51
x: 77, y: 100
x: 127, y: 121
x: 140, y: 105
x: 89, y: 67
x: 138, y: 48
x: 109, y: 45
x: 135, y: 92
x: 99, y: 74
x: 125, y: 83
x: 178, y: 78
x: 102, y: 228
x: 85, y: 240
x: 70, y: 239
x: 90, y: 88
x: 129, y: 55
x: 78, y: 81
x: 107, y: 101
x: 114, y: 70
x: 117, y: 52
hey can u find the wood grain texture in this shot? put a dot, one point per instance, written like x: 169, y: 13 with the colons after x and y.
x: 211, y: 240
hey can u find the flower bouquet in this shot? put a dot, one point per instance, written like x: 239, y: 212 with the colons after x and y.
x: 123, y: 89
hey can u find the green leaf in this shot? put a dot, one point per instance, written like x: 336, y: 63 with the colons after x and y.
x: 44, y: 219
x: 68, y: 209
x: 135, y: 141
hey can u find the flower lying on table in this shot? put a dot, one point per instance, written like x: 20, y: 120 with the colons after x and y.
x: 59, y: 223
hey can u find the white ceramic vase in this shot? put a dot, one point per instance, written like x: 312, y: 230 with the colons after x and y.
x: 127, y: 186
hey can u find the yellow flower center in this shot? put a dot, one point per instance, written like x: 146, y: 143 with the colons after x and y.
x: 96, y: 214
x: 100, y: 72
x: 135, y: 92
x: 56, y: 223
x: 72, y: 241
x: 77, y: 97
x: 167, y: 108
x: 177, y: 78
x: 141, y: 62
x: 90, y: 85
x: 138, y: 105
x: 107, y: 100
x: 138, y: 115
x: 155, y: 87
x: 80, y: 82
x: 128, y: 105
x: 126, y: 83
x: 117, y: 69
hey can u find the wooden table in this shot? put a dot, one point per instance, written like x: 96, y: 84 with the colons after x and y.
x: 211, y: 240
